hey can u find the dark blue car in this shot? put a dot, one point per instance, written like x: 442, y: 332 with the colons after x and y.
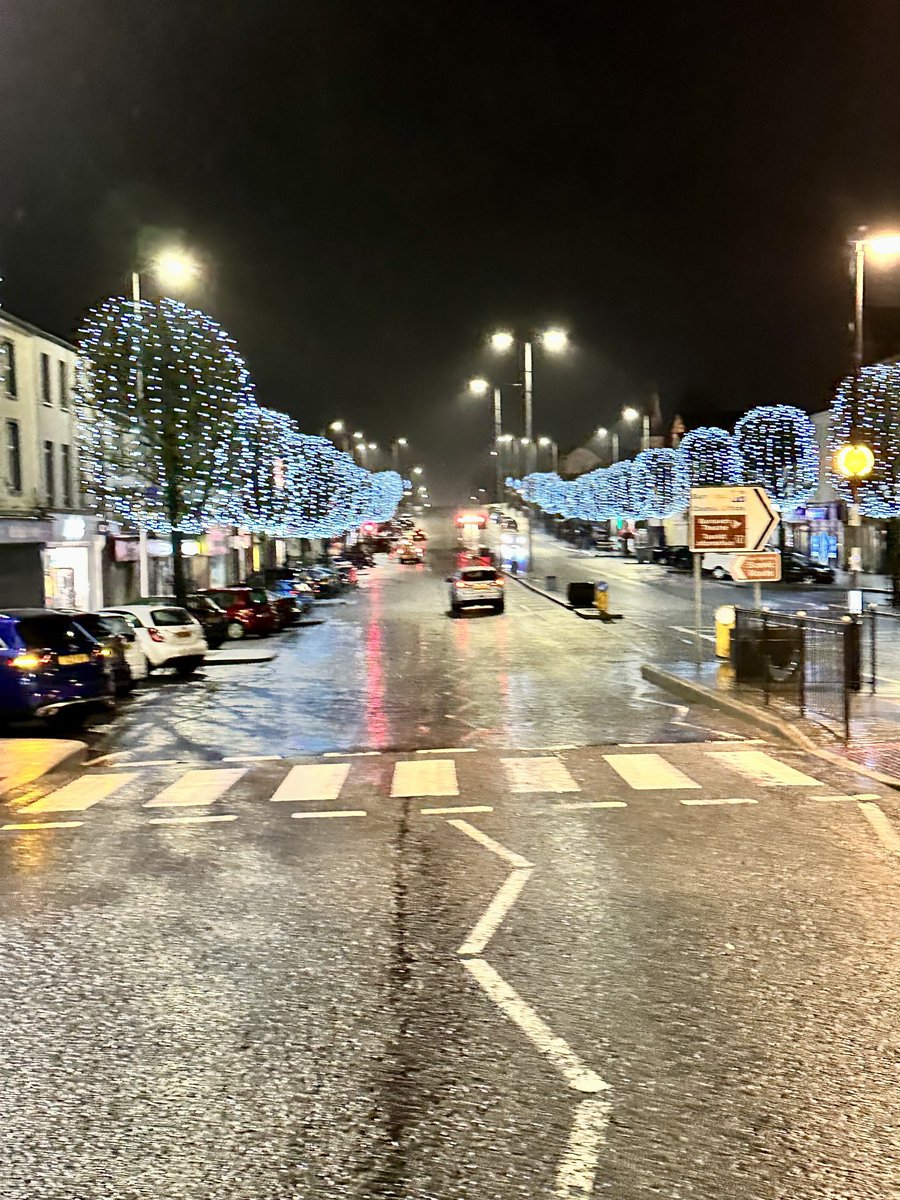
x: 49, y: 666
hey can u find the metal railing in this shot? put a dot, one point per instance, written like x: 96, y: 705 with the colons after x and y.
x: 812, y: 663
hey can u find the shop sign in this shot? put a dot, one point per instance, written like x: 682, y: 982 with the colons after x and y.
x: 26, y: 531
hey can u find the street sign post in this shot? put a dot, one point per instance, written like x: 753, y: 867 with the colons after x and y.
x: 730, y: 518
x: 764, y: 567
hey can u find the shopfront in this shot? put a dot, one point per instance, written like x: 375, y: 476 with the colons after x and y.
x: 73, y: 564
x: 22, y: 541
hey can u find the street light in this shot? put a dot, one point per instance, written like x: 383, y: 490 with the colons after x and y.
x: 359, y: 435
x: 554, y: 451
x: 175, y: 268
x: 553, y: 340
x: 502, y: 341
x: 336, y: 426
x: 602, y: 434
x: 417, y: 470
x: 631, y: 414
x: 481, y: 387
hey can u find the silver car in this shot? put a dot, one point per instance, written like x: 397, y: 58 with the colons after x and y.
x: 471, y: 586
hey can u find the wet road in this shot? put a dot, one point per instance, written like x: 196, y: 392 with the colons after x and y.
x: 450, y: 962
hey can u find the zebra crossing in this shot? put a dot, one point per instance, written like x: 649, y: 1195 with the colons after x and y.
x: 359, y: 786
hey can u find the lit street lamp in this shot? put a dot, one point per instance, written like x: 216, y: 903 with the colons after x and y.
x: 630, y: 414
x: 396, y: 445
x: 554, y: 341
x: 554, y: 451
x: 417, y: 470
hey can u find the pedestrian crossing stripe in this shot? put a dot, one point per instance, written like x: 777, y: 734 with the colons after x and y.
x: 762, y: 768
x: 649, y: 772
x: 80, y: 793
x: 313, y: 782
x: 425, y: 777
x: 196, y: 788
x: 538, y: 775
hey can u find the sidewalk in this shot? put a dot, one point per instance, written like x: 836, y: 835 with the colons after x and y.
x: 22, y: 760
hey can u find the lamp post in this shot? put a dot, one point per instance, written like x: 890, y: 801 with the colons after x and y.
x: 554, y: 341
x: 481, y: 387
x: 396, y: 445
x: 630, y: 414
x: 176, y: 269
x: 554, y: 452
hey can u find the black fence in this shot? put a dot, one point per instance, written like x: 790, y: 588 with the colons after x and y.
x: 810, y: 662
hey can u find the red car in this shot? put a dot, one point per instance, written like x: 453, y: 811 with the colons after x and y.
x: 248, y: 610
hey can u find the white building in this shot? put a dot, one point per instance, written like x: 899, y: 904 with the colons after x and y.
x: 50, y: 548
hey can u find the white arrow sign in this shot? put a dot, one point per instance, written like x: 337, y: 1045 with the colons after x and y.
x: 756, y: 567
x: 730, y: 518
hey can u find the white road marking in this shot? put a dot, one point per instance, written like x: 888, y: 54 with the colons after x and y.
x: 452, y: 750
x: 43, y: 825
x: 574, y: 806
x: 707, y: 637
x: 196, y: 788
x: 510, y: 856
x: 762, y: 768
x: 254, y: 758
x: 208, y: 819
x: 648, y: 772
x: 489, y: 921
x: 837, y: 799
x: 719, y: 741
x: 346, y: 812
x: 884, y: 830
x: 575, y: 1176
x: 425, y: 777
x: 316, y: 781
x: 80, y: 793
x: 541, y: 1036
x: 538, y: 775
x: 708, y: 803
x: 352, y: 754
x: 460, y: 808
x: 158, y: 762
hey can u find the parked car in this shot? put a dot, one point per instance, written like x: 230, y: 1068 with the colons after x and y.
x: 798, y: 568
x: 285, y: 608
x: 470, y: 586
x: 360, y: 555
x: 248, y: 610
x: 679, y: 558
x: 324, y: 582
x: 126, y: 660
x: 50, y: 667
x: 211, y: 616
x: 347, y: 572
x: 168, y: 635
x: 297, y: 589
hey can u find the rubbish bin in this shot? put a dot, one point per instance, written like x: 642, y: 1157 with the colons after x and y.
x: 550, y: 583
x: 601, y: 596
x: 580, y: 595
x: 725, y: 621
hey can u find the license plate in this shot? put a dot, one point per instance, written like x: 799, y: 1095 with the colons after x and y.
x: 69, y: 660
x: 183, y: 633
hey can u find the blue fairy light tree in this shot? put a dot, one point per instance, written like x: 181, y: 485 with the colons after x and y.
x: 867, y: 406
x: 711, y: 458
x: 659, y: 483
x: 780, y: 453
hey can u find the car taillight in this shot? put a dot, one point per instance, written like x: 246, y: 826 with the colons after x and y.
x: 244, y: 612
x: 29, y: 662
x: 155, y: 635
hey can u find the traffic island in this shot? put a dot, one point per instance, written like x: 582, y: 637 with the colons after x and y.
x: 586, y: 611
x: 873, y: 749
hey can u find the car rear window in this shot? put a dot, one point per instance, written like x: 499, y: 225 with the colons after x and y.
x: 226, y: 599
x: 170, y: 616
x: 117, y: 625
x: 482, y: 576
x: 258, y: 596
x: 52, y: 632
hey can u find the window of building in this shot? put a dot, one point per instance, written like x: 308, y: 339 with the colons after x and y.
x: 49, y: 474
x: 63, y: 385
x: 45, y: 379
x: 66, y: 467
x: 8, y: 367
x: 13, y: 457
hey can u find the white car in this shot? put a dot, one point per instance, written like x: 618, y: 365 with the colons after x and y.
x: 119, y: 624
x: 169, y: 636
x: 718, y: 565
x: 470, y: 586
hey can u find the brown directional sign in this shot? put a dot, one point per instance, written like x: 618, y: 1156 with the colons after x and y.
x: 756, y: 568
x: 719, y: 533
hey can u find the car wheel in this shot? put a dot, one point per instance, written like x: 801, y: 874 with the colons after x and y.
x: 807, y: 579
x: 454, y: 609
x: 236, y: 631
x: 185, y: 667
x: 719, y: 573
x: 499, y: 606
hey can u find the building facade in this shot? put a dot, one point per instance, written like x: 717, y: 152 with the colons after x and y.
x: 50, y: 547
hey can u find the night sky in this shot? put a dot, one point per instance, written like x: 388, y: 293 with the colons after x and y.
x: 375, y: 184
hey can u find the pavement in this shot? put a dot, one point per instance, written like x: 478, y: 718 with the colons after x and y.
x: 23, y: 759
x: 439, y: 909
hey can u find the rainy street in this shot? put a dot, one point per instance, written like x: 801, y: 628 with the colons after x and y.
x: 445, y: 909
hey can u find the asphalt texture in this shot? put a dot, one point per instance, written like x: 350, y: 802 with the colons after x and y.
x: 626, y: 970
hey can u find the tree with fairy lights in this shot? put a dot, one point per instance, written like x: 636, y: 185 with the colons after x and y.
x: 270, y: 460
x: 160, y: 394
x: 780, y: 453
x: 659, y: 483
x: 711, y: 458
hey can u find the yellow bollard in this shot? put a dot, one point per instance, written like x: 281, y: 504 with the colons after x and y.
x: 601, y: 597
x: 725, y: 620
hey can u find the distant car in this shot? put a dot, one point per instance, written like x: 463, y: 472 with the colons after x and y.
x: 410, y: 555
x: 211, y: 616
x: 325, y: 583
x: 119, y: 647
x: 360, y: 555
x: 471, y: 586
x: 168, y: 635
x: 798, y: 568
x: 50, y: 666
x: 247, y: 608
x: 679, y: 558
x: 297, y: 589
